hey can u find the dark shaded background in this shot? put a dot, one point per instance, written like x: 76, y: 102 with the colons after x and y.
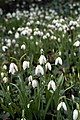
x: 11, y: 5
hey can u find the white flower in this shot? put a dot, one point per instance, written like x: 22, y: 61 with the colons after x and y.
x: 23, y: 119
x: 52, y: 85
x: 34, y: 83
x: 63, y: 105
x: 25, y: 65
x: 75, y: 114
x: 23, y: 47
x: 59, y: 106
x: 8, y: 88
x: 13, y: 41
x: 16, y: 35
x: 30, y: 78
x: 58, y: 61
x: 77, y: 43
x: 13, y: 68
x: 5, y: 79
x: 28, y: 105
x: 9, y: 32
x: 4, y: 48
x: 72, y: 97
x: 42, y: 59
x: 4, y: 67
x: 2, y: 74
x: 39, y: 70
x: 48, y: 66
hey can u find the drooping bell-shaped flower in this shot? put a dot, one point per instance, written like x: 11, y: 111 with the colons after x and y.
x: 42, y: 60
x: 52, y: 85
x: 77, y: 43
x: 34, y: 83
x: 39, y: 70
x: 25, y: 65
x: 23, y: 47
x: 48, y: 66
x: 75, y: 114
x: 58, y: 61
x: 13, y: 68
x: 59, y: 106
x: 63, y: 105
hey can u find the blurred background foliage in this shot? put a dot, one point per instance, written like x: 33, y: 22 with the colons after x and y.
x: 11, y: 5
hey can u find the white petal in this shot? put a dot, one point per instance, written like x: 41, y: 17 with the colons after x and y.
x: 48, y: 66
x: 64, y: 106
x: 59, y: 106
x: 77, y: 44
x: 34, y: 83
x: 75, y: 114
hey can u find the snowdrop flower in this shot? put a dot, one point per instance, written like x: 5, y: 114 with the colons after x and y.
x: 37, y: 43
x: 34, y: 83
x: 28, y: 105
x: 4, y: 67
x: 39, y: 70
x: 63, y: 105
x: 5, y: 79
x: 4, y: 48
x: 59, y: 106
x: 25, y: 65
x: 58, y: 60
x: 72, y: 97
x: 30, y: 78
x: 23, y: 119
x: 23, y: 47
x: 52, y: 85
x: 42, y: 59
x: 16, y: 35
x: 8, y: 88
x: 41, y: 51
x: 13, y: 41
x: 2, y: 74
x: 48, y: 66
x: 75, y: 114
x: 9, y: 32
x: 77, y: 44
x: 13, y: 68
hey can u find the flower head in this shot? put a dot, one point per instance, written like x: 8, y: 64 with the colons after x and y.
x: 39, y: 70
x: 75, y: 114
x: 52, y: 85
x: 77, y: 43
x: 48, y: 66
x: 63, y: 105
x: 25, y: 65
x: 58, y: 61
x: 13, y: 68
x: 34, y: 83
x: 42, y: 60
